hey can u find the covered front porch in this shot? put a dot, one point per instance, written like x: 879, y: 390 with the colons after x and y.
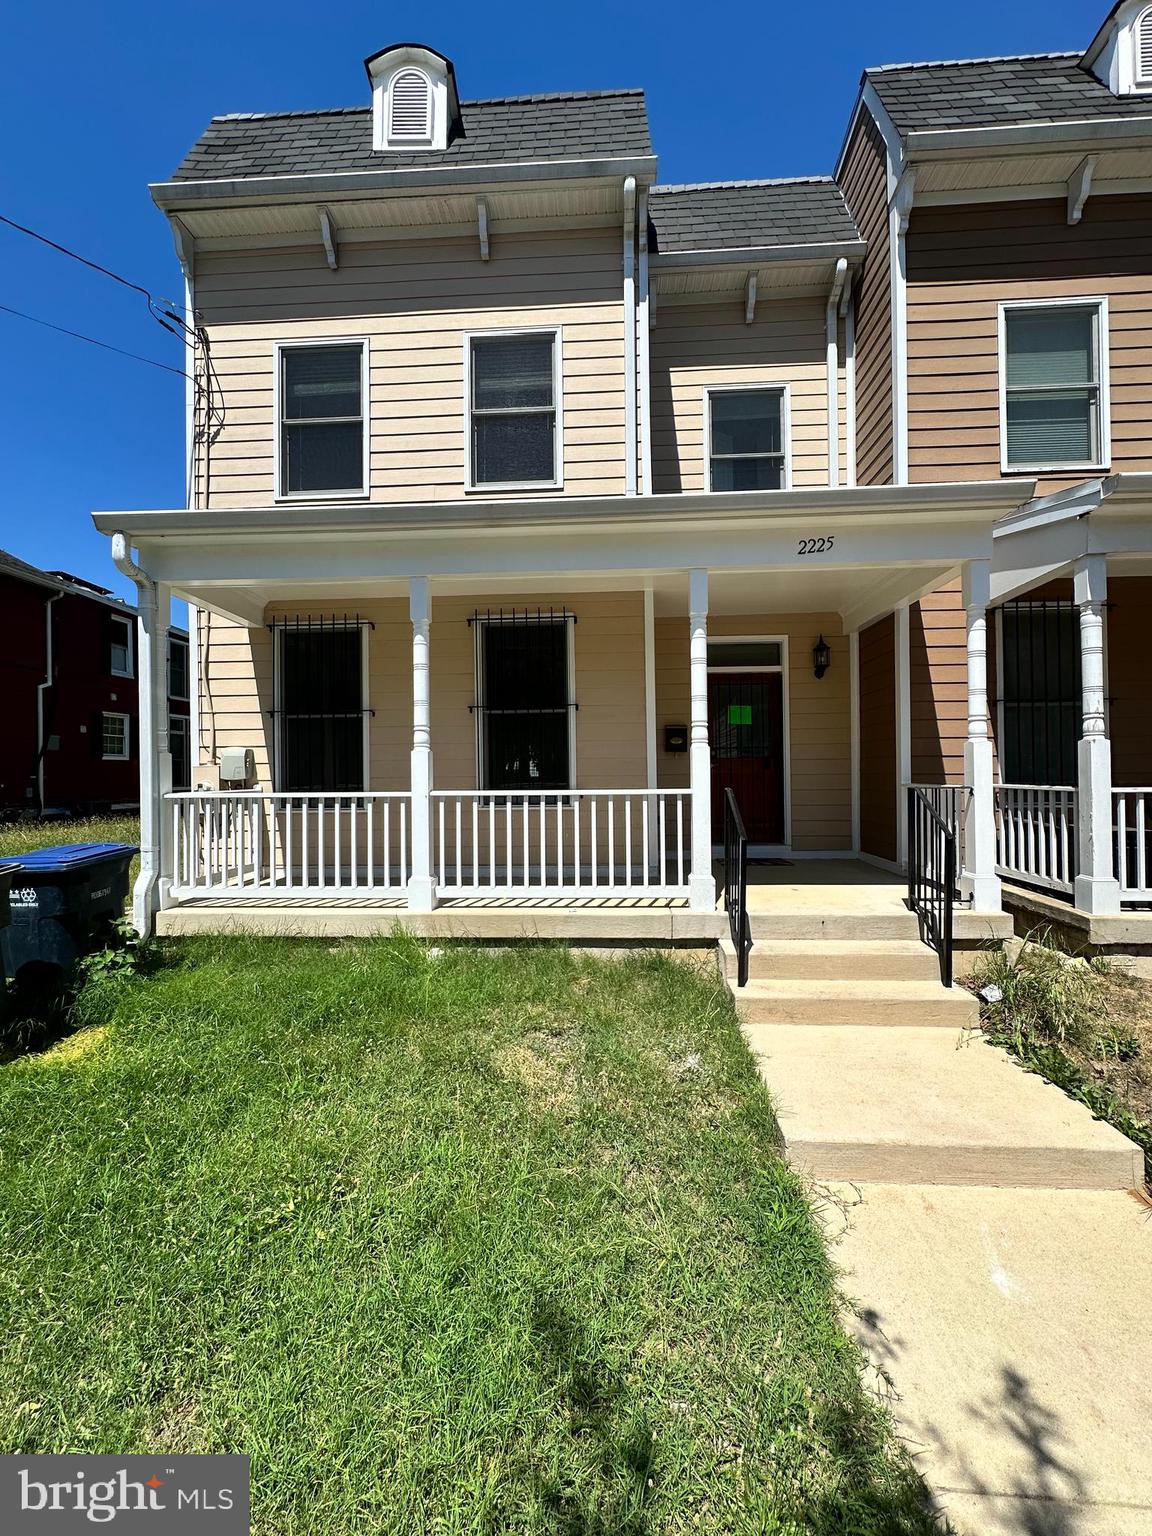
x: 1072, y: 584
x: 541, y: 714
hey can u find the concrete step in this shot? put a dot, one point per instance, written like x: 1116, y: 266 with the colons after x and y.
x: 917, y: 1106
x: 837, y: 960
x: 836, y: 926
x: 866, y: 1002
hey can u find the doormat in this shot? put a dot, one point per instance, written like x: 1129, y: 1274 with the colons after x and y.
x: 773, y: 863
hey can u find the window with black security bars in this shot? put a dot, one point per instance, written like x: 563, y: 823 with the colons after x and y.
x: 321, y: 714
x: 1040, y: 692
x: 524, y: 708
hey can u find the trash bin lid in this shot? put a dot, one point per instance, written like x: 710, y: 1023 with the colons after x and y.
x: 69, y: 856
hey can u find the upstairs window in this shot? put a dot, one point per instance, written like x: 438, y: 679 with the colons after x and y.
x: 1054, y: 374
x: 120, y: 633
x: 115, y: 737
x: 323, y: 444
x: 747, y: 440
x: 321, y: 716
x: 410, y: 107
x: 514, y: 431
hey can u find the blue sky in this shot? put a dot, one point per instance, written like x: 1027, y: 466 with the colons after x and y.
x: 101, y: 100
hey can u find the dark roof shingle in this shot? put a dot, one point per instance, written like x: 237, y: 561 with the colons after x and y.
x: 992, y: 93
x: 732, y: 215
x: 562, y: 126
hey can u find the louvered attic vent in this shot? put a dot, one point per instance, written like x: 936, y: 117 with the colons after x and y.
x: 1144, y: 49
x: 410, y: 106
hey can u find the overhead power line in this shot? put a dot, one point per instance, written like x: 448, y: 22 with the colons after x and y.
x: 93, y: 341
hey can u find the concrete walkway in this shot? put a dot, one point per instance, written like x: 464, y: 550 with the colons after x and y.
x: 998, y: 1260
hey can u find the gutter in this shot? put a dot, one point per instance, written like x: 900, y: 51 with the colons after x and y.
x: 41, y: 690
x: 1025, y: 136
x: 761, y: 255
x: 832, y: 353
x: 848, y: 313
x: 630, y: 335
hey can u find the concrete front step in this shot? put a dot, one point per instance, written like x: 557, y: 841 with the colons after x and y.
x: 835, y: 926
x: 873, y: 1002
x: 915, y: 1106
x: 837, y: 960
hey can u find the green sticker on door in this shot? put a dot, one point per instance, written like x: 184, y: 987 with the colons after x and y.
x: 739, y: 714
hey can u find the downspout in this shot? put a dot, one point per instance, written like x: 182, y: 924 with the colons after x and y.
x: 153, y: 737
x: 848, y: 311
x: 832, y: 350
x: 643, y: 326
x: 41, y: 690
x: 630, y: 335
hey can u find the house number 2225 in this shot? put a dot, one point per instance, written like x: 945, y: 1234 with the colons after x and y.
x: 816, y: 546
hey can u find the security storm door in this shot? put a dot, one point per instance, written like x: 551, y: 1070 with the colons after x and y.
x: 746, y: 731
x: 1040, y: 693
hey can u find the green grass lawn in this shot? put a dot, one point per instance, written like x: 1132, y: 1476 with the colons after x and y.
x: 479, y: 1243
x: 17, y: 837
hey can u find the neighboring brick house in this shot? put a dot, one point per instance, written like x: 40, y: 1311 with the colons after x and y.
x: 70, y: 741
x: 613, y: 496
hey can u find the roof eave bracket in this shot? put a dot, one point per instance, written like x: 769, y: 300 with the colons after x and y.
x: 482, y: 227
x: 329, y: 237
x: 750, y: 299
x: 1079, y: 188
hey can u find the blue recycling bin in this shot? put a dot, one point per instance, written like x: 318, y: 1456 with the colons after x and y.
x: 63, y: 901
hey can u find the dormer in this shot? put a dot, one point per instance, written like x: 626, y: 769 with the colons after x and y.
x: 414, y: 101
x: 1120, y: 55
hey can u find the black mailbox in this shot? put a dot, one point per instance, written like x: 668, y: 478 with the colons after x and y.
x: 675, y: 738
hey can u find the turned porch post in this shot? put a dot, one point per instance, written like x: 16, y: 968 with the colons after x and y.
x: 702, y: 884
x: 421, y: 885
x: 1096, y: 887
x: 979, y: 881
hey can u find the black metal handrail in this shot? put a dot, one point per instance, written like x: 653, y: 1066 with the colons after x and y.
x: 932, y: 876
x: 736, y: 884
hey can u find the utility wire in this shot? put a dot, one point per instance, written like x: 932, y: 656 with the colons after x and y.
x: 92, y: 340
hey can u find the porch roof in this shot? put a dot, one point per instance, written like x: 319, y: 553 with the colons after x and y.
x: 1044, y: 538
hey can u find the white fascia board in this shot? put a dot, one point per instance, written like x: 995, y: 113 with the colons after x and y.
x: 940, y: 142
x: 177, y: 194
x: 760, y: 255
x: 868, y: 101
x: 964, y: 500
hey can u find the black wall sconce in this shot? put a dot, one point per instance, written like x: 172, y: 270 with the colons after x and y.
x: 821, y: 657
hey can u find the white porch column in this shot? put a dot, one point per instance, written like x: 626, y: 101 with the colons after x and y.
x: 1096, y: 888
x: 163, y: 746
x: 421, y: 885
x: 154, y: 880
x: 702, y: 885
x: 979, y: 881
x: 902, y: 635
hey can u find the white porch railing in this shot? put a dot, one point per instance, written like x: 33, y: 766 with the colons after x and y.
x: 1132, y: 826
x: 1036, y: 834
x: 578, y: 842
x: 251, y: 843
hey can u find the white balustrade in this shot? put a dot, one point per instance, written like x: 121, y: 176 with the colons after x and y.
x: 587, y: 842
x: 252, y: 843
x: 1132, y: 830
x: 1036, y: 834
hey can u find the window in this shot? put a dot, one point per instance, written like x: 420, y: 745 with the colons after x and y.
x: 410, y: 106
x: 1143, y: 44
x: 1040, y: 692
x: 120, y: 632
x: 525, y: 710
x: 747, y: 440
x: 115, y: 736
x: 1054, y: 386
x: 322, y: 437
x: 177, y: 668
x: 179, y: 744
x: 514, y: 429
x: 734, y: 654
x: 321, y: 714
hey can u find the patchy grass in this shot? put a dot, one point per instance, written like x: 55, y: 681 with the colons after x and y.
x: 486, y: 1243
x: 1086, y: 1025
x: 17, y: 837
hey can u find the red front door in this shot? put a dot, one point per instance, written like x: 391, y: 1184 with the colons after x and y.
x: 746, y: 731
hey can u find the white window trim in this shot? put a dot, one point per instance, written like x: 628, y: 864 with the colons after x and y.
x: 557, y: 482
x: 278, y: 706
x: 786, y: 725
x: 129, y: 623
x: 1104, y: 426
x: 279, y: 348
x: 784, y: 390
x: 183, y: 698
x: 481, y: 624
x: 116, y: 757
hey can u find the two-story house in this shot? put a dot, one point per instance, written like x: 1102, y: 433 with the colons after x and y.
x: 536, y: 505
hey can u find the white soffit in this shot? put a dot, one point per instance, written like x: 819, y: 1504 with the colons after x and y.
x: 720, y: 282
x: 1029, y: 170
